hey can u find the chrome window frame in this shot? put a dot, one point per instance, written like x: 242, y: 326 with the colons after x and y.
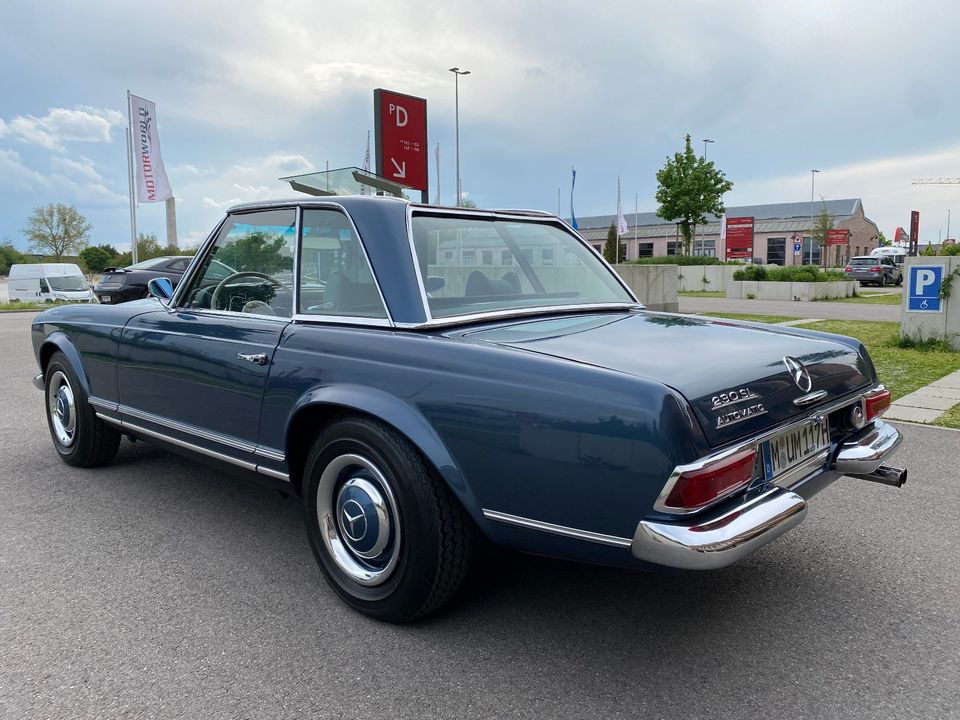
x: 535, y: 217
x: 338, y: 319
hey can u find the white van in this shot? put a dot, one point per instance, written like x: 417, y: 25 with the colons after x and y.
x: 48, y: 282
x: 897, y: 254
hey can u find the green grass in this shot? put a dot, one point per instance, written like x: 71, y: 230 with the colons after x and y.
x: 702, y: 293
x: 951, y: 418
x: 881, y: 299
x: 751, y: 318
x: 902, y: 369
x: 13, y: 306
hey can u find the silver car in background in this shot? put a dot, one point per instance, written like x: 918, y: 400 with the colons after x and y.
x: 880, y: 271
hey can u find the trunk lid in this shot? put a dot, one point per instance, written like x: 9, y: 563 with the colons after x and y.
x: 734, y: 375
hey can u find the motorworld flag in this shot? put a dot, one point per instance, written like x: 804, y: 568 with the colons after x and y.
x: 152, y: 183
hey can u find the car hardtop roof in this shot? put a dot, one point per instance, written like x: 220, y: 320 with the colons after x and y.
x: 351, y: 202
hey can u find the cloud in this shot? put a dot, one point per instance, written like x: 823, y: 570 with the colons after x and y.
x: 60, y: 125
x: 83, y: 169
x: 17, y: 175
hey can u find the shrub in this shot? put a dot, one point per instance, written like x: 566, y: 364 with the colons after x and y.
x: 751, y: 272
x: 951, y: 249
x: 677, y: 260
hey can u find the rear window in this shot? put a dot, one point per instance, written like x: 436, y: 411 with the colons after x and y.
x: 867, y: 261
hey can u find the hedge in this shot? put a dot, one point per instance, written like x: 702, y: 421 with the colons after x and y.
x: 794, y: 273
x: 676, y: 260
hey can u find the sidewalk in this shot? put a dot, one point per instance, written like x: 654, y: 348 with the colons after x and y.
x: 824, y: 310
x: 928, y: 403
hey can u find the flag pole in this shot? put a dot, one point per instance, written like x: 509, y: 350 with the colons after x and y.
x: 130, y: 183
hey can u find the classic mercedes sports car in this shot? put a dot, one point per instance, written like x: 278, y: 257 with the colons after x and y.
x: 423, y: 378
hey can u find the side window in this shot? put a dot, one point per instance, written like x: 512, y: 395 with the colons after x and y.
x: 335, y: 276
x: 249, y: 269
x: 178, y: 265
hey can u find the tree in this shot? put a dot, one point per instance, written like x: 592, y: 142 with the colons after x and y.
x: 689, y: 187
x: 468, y: 203
x: 96, y: 258
x: 148, y: 247
x: 257, y: 251
x: 9, y: 255
x: 57, y: 230
x: 610, y: 246
x: 882, y: 240
x: 822, y: 223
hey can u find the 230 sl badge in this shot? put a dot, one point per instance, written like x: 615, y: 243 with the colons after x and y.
x: 733, y: 397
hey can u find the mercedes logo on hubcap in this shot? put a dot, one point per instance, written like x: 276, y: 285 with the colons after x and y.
x: 354, y: 520
x: 799, y: 374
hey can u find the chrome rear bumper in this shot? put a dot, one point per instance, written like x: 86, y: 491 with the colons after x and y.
x: 710, y: 541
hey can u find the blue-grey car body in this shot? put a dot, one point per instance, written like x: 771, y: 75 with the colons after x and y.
x: 556, y: 430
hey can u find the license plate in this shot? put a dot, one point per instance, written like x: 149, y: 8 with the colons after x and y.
x: 104, y: 298
x: 794, y: 447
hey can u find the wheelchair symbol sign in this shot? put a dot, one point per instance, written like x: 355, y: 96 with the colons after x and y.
x: 923, y: 288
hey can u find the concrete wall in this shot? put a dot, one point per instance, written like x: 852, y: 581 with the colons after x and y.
x: 706, y: 278
x: 801, y: 291
x: 654, y: 285
x: 944, y: 325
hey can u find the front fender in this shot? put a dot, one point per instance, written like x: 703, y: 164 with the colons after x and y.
x: 400, y: 415
x: 59, y: 341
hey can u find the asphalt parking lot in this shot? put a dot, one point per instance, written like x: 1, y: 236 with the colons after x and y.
x: 158, y: 587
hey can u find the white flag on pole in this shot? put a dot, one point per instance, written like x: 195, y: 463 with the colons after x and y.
x: 366, y: 155
x: 621, y: 221
x: 152, y: 183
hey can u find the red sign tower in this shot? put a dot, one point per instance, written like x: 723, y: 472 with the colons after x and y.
x: 400, y: 126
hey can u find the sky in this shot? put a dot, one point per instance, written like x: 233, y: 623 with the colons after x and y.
x: 864, y: 91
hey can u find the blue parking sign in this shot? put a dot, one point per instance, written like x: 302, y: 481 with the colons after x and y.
x: 923, y: 288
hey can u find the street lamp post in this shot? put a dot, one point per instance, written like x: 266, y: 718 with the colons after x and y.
x: 813, y: 176
x: 705, y: 141
x: 703, y: 230
x: 457, y: 72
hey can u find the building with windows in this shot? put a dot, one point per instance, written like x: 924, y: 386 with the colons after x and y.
x: 778, y: 228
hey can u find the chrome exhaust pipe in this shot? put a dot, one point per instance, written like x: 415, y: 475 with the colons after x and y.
x: 886, y: 475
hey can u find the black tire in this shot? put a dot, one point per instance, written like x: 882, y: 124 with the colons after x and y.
x: 900, y: 280
x: 430, y: 539
x: 80, y: 438
x: 883, y: 280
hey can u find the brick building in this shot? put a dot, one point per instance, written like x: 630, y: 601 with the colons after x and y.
x: 777, y: 227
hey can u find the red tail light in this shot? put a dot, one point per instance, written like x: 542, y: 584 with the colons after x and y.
x: 695, y: 489
x: 848, y: 269
x: 876, y: 268
x: 877, y: 401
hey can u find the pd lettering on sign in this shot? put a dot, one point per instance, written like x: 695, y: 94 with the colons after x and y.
x: 399, y: 114
x: 923, y: 288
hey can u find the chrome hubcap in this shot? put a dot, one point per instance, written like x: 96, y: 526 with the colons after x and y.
x: 63, y: 410
x: 358, y: 519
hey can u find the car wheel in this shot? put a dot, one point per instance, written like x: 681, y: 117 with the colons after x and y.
x: 883, y: 280
x: 79, y: 436
x: 389, y: 536
x: 900, y: 280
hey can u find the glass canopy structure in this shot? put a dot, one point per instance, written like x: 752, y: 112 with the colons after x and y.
x: 344, y: 181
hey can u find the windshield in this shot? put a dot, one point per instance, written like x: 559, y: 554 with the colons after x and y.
x: 66, y: 282
x: 147, y: 264
x: 474, y: 265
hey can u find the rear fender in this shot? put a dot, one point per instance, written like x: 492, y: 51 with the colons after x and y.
x: 404, y: 418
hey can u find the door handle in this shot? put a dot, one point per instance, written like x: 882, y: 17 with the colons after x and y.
x: 258, y: 358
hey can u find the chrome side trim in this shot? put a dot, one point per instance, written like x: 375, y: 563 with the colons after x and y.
x: 270, y: 454
x: 563, y: 530
x: 718, y: 541
x: 342, y: 320
x: 140, y: 430
x: 516, y: 313
x: 219, y: 438
x: 277, y: 475
x: 103, y: 404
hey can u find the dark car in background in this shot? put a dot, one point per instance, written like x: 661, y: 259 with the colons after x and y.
x: 878, y: 270
x: 118, y: 285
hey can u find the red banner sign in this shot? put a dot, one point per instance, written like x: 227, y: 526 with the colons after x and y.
x: 914, y: 231
x: 400, y: 122
x: 739, y: 238
x: 838, y: 237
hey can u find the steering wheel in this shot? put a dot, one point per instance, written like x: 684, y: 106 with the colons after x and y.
x: 216, y: 291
